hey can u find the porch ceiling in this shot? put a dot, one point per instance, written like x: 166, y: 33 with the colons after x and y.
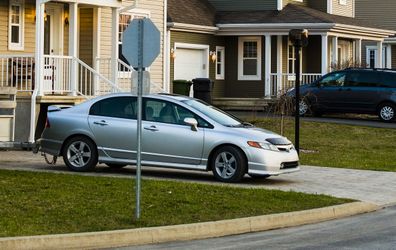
x: 294, y: 17
x: 104, y: 3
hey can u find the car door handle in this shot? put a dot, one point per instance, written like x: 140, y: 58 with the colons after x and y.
x: 101, y: 123
x: 151, y: 128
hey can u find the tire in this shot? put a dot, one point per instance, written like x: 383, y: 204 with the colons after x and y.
x: 115, y: 165
x: 80, y: 154
x: 386, y: 112
x: 304, y: 107
x: 259, y: 177
x: 228, y: 164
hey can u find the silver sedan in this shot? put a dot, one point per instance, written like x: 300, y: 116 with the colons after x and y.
x: 178, y: 132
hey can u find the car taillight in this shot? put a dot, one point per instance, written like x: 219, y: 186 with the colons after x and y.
x: 47, y: 124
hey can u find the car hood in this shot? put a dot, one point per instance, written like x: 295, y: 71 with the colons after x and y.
x: 261, y: 135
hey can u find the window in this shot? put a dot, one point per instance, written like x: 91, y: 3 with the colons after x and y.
x: 371, y: 57
x: 116, y: 107
x: 291, y: 59
x: 333, y: 80
x: 343, y: 2
x: 124, y: 20
x: 220, y: 63
x: 362, y: 79
x: 249, y: 58
x: 16, y: 25
x: 388, y: 80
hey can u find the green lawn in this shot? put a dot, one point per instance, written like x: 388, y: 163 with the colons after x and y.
x: 43, y: 203
x: 344, y: 146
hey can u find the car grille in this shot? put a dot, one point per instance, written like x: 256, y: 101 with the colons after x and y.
x: 292, y: 164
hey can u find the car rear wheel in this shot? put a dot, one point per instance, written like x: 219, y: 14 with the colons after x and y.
x: 115, y: 166
x: 386, y: 112
x: 304, y: 107
x: 80, y: 154
x: 228, y: 164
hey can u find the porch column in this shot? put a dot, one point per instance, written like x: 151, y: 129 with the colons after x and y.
x: 358, y: 52
x: 325, y: 56
x: 114, y: 46
x: 335, y: 51
x: 388, y: 56
x: 39, y: 53
x: 73, y: 28
x: 267, y: 66
x: 379, y: 55
x: 279, y: 63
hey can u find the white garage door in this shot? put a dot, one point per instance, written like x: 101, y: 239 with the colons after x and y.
x: 190, y: 64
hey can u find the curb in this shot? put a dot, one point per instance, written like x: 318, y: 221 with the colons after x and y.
x: 119, y: 238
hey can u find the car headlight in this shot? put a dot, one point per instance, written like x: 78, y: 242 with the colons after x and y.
x: 263, y: 145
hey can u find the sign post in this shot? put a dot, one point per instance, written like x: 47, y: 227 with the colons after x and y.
x: 141, y: 45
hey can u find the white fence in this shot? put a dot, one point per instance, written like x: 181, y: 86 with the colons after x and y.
x: 280, y: 83
x: 17, y: 71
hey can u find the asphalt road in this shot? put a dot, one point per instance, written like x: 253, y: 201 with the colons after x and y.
x: 349, y: 119
x: 369, y: 231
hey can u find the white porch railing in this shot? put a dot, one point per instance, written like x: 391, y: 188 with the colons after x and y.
x: 124, y: 72
x: 17, y: 71
x: 280, y: 83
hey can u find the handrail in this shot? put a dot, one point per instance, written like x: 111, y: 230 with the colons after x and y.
x: 16, y: 55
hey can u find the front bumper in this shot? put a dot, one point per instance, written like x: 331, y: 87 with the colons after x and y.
x: 266, y: 162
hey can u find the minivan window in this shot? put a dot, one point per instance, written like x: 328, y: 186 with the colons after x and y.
x: 388, y: 80
x: 335, y: 79
x: 362, y: 79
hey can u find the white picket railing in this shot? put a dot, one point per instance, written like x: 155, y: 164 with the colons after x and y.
x: 280, y: 83
x: 56, y: 78
x: 124, y: 72
x: 17, y: 71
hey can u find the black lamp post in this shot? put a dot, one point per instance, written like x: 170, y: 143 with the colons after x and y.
x: 299, y: 38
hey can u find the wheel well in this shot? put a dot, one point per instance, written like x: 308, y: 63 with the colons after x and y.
x: 384, y: 102
x: 209, y: 167
x: 76, y: 135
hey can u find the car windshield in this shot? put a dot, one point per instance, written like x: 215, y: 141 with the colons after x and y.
x: 216, y: 114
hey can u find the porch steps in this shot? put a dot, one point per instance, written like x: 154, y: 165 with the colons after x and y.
x: 54, y: 99
x: 243, y: 104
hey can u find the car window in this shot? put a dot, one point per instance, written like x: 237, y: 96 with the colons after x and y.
x: 336, y: 79
x: 167, y: 112
x: 388, y: 80
x: 118, y: 107
x: 362, y: 79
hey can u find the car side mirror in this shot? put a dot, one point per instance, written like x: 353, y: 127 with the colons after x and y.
x: 192, y: 122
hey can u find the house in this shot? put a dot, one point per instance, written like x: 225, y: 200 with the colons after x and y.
x: 381, y: 13
x: 244, y: 47
x: 62, y: 52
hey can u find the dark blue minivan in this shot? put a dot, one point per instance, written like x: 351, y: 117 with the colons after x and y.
x: 353, y: 90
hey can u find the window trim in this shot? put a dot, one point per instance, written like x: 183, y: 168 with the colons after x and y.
x: 220, y: 49
x: 241, y: 41
x: 20, y: 45
x: 385, y: 55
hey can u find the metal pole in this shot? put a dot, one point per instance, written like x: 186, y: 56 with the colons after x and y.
x: 297, y: 118
x: 139, y: 119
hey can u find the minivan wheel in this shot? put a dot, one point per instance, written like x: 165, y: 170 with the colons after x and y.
x: 228, y: 164
x: 80, y: 154
x: 304, y: 107
x: 386, y: 112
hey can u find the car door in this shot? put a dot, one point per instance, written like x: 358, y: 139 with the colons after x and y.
x: 166, y: 138
x: 327, y: 93
x: 361, y: 89
x: 113, y: 124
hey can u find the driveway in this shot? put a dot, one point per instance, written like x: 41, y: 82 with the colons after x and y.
x: 370, y: 186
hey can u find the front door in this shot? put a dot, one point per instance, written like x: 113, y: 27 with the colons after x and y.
x: 53, y: 45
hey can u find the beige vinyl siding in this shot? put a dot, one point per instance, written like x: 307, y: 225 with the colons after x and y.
x: 156, y: 10
x: 29, y: 28
x: 318, y: 4
x: 86, y: 36
x: 201, y: 39
x: 380, y: 12
x: 343, y: 10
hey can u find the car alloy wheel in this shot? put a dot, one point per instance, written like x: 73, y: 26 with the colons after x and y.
x: 303, y: 107
x: 229, y: 164
x: 387, y: 112
x: 80, y: 154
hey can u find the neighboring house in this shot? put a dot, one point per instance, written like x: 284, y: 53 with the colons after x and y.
x: 254, y: 58
x: 62, y: 52
x: 381, y: 13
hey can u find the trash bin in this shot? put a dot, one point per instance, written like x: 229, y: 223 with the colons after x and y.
x: 203, y: 89
x: 181, y: 87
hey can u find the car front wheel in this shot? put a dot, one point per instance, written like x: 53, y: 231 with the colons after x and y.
x: 386, y: 112
x: 80, y: 154
x: 304, y: 107
x: 228, y: 164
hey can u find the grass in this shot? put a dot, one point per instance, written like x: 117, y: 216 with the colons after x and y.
x: 343, y: 146
x: 44, y: 203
